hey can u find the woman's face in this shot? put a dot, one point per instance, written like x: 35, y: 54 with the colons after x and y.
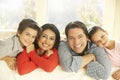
x: 47, y: 39
x: 27, y: 37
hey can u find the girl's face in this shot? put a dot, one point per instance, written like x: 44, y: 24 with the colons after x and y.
x: 47, y: 39
x: 100, y: 38
x: 27, y: 37
x: 77, y: 40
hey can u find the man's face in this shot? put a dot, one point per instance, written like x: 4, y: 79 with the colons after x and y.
x: 77, y: 40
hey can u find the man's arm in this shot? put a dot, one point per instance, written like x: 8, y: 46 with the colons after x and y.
x: 103, y: 67
x: 86, y: 59
x: 69, y: 62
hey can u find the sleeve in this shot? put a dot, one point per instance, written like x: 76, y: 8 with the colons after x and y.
x: 7, y: 49
x: 117, y: 47
x: 68, y: 62
x: 24, y: 64
x: 46, y: 63
x: 103, y: 67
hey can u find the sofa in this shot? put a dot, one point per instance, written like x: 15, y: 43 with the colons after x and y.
x: 39, y: 74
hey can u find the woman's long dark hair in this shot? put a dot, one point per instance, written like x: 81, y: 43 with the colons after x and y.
x: 53, y: 28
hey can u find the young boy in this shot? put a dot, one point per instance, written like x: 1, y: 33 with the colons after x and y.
x: 26, y: 34
x: 100, y: 37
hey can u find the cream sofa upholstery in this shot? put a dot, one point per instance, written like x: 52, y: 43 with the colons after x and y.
x: 39, y: 74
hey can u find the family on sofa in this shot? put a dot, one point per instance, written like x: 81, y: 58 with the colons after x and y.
x: 36, y: 47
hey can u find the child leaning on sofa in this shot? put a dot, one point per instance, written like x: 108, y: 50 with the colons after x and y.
x: 100, y: 37
x: 26, y: 34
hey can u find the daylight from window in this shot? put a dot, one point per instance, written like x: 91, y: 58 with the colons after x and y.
x: 58, y: 12
x: 11, y: 12
x: 88, y: 11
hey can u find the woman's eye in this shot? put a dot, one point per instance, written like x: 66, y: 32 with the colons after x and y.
x: 43, y: 36
x: 52, y: 39
x: 34, y: 37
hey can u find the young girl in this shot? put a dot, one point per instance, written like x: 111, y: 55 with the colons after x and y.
x: 45, y: 56
x: 100, y: 37
x: 26, y: 34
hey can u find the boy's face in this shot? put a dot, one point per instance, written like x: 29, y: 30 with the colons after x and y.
x: 77, y: 40
x: 100, y: 38
x: 27, y: 37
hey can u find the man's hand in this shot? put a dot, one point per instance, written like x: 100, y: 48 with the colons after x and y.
x: 11, y: 62
x: 116, y: 75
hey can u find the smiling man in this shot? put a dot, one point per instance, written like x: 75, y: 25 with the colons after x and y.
x: 78, y: 52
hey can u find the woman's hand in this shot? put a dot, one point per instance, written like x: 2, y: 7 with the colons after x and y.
x: 11, y: 62
x: 49, y: 52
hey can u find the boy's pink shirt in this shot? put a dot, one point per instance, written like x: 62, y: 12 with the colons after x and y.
x: 114, y: 54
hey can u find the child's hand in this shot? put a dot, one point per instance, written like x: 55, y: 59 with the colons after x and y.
x: 49, y: 52
x: 30, y: 48
x: 94, y: 59
x: 11, y: 62
x: 116, y: 75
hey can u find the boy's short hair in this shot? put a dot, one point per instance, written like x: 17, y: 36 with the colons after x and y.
x: 93, y: 30
x: 28, y: 23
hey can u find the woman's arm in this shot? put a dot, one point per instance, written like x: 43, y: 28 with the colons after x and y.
x: 47, y: 63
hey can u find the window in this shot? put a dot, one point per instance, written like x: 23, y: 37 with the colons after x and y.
x: 12, y: 12
x: 88, y: 11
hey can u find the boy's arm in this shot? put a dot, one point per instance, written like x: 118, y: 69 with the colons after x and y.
x: 10, y: 61
x: 24, y: 63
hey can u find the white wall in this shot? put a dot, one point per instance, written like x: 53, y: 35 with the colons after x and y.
x: 112, y: 18
x: 41, y: 11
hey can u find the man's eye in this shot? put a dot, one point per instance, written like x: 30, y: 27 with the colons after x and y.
x: 98, y: 42
x: 70, y: 38
x: 102, y: 36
